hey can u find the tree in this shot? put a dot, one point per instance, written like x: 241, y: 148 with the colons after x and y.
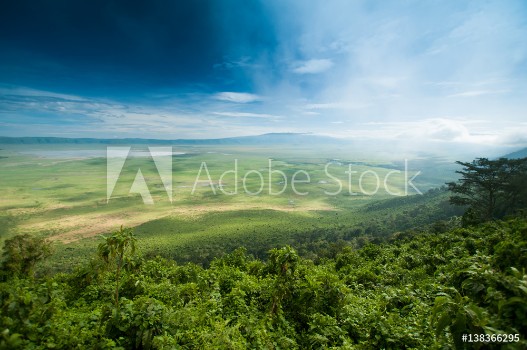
x: 490, y: 189
x: 282, y: 263
x: 22, y: 252
x: 116, y: 250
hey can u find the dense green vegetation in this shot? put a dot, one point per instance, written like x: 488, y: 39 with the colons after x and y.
x: 413, y: 290
x: 314, y: 235
x: 491, y: 189
x: 401, y: 273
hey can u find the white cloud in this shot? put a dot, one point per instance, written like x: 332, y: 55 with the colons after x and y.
x: 436, y: 129
x: 336, y: 105
x: 323, y: 105
x: 237, y: 97
x: 513, y: 137
x: 245, y: 115
x: 29, y: 92
x: 313, y: 66
x: 445, y: 130
x: 475, y: 93
x: 388, y: 82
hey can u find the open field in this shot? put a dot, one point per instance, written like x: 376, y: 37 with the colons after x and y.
x: 60, y: 192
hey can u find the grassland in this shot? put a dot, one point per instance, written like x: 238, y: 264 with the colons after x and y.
x: 60, y: 192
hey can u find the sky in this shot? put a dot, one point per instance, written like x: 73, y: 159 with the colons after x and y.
x: 449, y: 72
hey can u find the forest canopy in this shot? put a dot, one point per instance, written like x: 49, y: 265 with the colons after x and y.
x: 491, y: 189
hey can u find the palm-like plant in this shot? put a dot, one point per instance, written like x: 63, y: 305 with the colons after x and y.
x: 116, y: 250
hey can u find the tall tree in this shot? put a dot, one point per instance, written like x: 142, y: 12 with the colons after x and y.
x: 22, y: 252
x: 490, y: 189
x: 116, y: 250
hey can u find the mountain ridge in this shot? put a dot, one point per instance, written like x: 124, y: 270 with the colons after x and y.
x: 522, y: 153
x: 275, y: 138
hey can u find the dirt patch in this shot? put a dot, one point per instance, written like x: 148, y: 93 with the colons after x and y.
x: 78, y: 227
x: 75, y: 228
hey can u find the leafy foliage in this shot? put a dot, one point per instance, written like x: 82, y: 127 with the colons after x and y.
x: 22, y: 252
x: 411, y: 290
x: 116, y: 251
x: 491, y: 189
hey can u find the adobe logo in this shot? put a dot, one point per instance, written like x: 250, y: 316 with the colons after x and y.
x: 115, y: 159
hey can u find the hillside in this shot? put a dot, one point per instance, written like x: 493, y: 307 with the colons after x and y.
x: 518, y: 154
x: 315, y: 235
x: 415, y: 290
x: 395, y: 273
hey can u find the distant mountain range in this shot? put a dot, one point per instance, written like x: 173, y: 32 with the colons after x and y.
x: 518, y: 154
x: 369, y: 148
x: 272, y: 138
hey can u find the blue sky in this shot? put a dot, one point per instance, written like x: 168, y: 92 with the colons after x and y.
x: 446, y: 71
